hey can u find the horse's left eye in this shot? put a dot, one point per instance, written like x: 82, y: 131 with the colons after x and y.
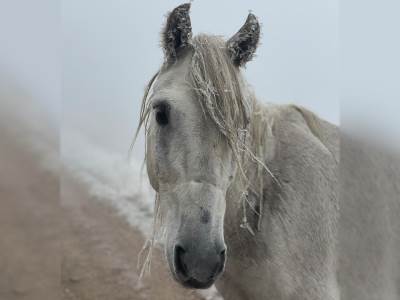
x: 162, y: 113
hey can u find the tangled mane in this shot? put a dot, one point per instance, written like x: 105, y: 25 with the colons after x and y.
x: 226, y: 100
x: 220, y: 90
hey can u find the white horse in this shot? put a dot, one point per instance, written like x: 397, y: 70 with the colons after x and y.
x: 247, y: 193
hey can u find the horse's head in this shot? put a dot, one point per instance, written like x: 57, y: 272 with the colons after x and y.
x: 195, y: 108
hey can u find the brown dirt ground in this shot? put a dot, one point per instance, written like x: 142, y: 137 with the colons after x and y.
x: 58, y: 243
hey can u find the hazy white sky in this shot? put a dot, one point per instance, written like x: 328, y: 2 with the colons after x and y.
x: 29, y: 51
x: 95, y: 56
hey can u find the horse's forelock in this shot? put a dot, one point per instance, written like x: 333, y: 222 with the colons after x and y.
x: 218, y: 84
x: 221, y: 90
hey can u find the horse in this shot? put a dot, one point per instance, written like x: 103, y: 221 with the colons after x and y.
x: 248, y: 194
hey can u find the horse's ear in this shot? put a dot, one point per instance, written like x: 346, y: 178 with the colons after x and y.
x: 177, y: 32
x: 243, y: 45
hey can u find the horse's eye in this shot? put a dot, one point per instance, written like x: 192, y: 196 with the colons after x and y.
x: 162, y: 113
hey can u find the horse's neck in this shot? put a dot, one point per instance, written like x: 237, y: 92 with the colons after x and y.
x: 261, y: 143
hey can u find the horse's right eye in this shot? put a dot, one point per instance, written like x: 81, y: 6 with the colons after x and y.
x: 162, y: 113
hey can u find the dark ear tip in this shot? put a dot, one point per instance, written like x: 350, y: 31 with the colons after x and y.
x: 243, y: 44
x: 181, y: 10
x: 184, y: 7
x: 252, y: 20
x: 252, y: 17
x: 177, y: 32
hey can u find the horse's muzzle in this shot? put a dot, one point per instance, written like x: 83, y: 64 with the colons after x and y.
x: 198, y: 268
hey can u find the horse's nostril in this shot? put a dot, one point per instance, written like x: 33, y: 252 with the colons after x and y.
x: 222, y: 254
x: 219, y: 266
x: 222, y: 257
x: 180, y: 265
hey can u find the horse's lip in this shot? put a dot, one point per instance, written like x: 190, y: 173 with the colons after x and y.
x: 190, y: 282
x: 193, y: 283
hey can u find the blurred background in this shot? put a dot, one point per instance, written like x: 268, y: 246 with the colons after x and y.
x: 72, y: 75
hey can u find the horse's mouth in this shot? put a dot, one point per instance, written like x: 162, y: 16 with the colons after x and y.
x: 193, y: 283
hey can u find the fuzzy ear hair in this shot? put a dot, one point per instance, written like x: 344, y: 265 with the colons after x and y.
x: 243, y: 45
x: 177, y: 32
